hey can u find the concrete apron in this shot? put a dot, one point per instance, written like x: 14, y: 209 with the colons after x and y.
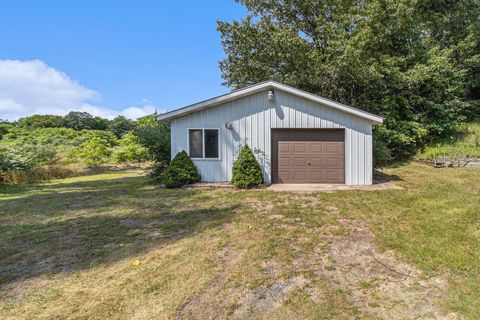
x: 314, y: 187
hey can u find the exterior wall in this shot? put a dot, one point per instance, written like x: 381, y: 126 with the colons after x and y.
x: 254, y: 116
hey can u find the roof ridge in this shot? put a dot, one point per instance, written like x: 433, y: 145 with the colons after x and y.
x: 236, y: 94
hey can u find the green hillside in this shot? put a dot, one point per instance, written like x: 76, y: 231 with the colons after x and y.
x: 464, y: 142
x: 62, y: 139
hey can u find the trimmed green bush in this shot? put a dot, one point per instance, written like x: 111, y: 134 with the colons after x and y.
x: 181, y: 171
x: 246, y: 170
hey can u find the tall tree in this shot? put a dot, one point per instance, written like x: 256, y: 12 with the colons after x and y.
x: 120, y: 126
x: 385, y: 56
x: 83, y: 120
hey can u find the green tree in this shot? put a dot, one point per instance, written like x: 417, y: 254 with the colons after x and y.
x: 4, y: 128
x: 390, y: 57
x: 99, y: 123
x: 130, y: 150
x: 120, y: 125
x: 246, y: 171
x: 40, y: 121
x: 93, y: 152
x: 456, y: 25
x: 83, y: 120
x: 155, y: 137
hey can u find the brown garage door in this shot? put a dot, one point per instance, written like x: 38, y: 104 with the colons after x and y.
x: 308, y: 156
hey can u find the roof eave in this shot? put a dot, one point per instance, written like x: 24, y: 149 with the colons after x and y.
x: 214, y: 101
x: 262, y: 86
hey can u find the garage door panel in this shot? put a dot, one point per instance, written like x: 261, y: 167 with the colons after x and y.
x: 300, y: 161
x: 334, y: 148
x: 316, y: 176
x: 333, y: 176
x: 300, y: 148
x: 316, y: 148
x: 300, y: 175
x: 334, y: 162
x: 284, y: 147
x: 284, y: 162
x: 316, y: 162
x: 308, y: 156
x: 284, y: 176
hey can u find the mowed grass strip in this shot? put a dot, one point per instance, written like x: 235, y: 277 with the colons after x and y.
x: 67, y: 247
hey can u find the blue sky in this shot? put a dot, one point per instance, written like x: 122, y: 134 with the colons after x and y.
x: 126, y: 53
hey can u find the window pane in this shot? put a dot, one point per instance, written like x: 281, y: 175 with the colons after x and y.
x: 195, y: 143
x: 211, y: 143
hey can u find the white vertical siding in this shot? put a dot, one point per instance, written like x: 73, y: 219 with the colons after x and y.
x: 254, y: 116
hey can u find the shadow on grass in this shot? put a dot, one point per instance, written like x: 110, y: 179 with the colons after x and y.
x: 380, y: 177
x: 73, y: 226
x: 15, y: 188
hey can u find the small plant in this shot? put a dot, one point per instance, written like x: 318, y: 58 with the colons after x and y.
x: 246, y: 170
x: 180, y: 172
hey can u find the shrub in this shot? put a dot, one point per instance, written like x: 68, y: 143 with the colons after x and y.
x: 130, y: 150
x: 25, y: 157
x: 4, y: 127
x: 93, y: 152
x: 181, y: 171
x: 23, y: 162
x: 155, y: 137
x: 157, y: 171
x: 381, y: 154
x: 246, y: 170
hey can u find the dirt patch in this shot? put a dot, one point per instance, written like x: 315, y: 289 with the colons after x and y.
x: 275, y: 216
x: 261, y: 206
x: 209, y: 303
x: 380, y: 283
x: 267, y: 298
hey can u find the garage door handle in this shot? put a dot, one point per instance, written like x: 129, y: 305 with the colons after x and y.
x: 308, y: 162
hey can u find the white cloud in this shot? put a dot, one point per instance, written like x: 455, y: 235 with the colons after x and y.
x: 136, y: 112
x: 32, y: 87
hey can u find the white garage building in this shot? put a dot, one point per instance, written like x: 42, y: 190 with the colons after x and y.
x: 296, y: 136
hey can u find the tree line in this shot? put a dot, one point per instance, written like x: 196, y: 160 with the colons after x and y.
x: 79, y: 121
x: 30, y: 144
x: 415, y: 62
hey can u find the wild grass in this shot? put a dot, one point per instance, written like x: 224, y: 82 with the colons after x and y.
x: 67, y: 247
x: 464, y: 142
x: 40, y: 174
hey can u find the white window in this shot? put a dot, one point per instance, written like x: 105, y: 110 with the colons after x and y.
x: 203, y: 143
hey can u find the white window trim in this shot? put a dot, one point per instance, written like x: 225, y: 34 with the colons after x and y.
x: 203, y: 144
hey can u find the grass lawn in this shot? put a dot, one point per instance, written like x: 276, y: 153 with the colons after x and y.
x: 67, y: 247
